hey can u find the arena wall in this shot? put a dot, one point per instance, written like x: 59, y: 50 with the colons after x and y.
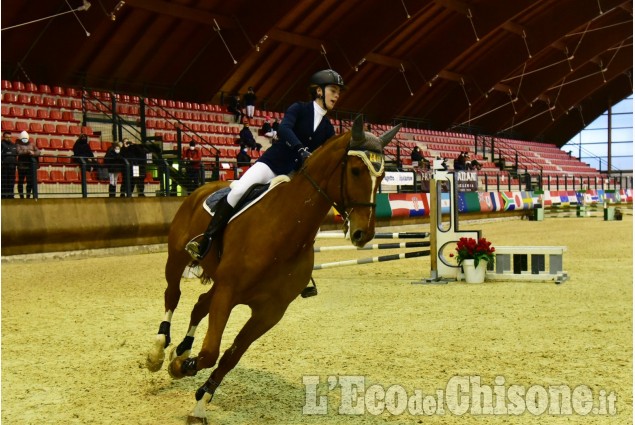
x: 50, y: 225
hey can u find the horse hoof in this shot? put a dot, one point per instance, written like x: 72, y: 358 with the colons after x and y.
x: 174, y: 369
x: 183, y: 356
x: 193, y: 420
x: 155, y: 358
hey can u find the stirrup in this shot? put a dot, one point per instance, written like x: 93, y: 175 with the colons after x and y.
x: 193, y: 248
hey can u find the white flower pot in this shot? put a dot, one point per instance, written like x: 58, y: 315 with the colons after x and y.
x: 474, y: 274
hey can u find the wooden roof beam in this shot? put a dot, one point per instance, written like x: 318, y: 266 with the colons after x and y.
x: 295, y: 39
x: 183, y: 12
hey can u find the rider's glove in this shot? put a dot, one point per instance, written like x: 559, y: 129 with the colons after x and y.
x: 303, y: 154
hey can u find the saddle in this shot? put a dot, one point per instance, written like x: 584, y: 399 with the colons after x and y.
x: 254, y: 194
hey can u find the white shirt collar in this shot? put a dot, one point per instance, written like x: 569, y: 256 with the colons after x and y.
x: 318, y: 114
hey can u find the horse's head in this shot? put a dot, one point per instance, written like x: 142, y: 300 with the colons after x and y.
x: 361, y: 177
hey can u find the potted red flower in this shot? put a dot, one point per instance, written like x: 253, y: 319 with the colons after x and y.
x: 474, y: 256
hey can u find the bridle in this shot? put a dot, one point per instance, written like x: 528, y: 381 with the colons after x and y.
x: 374, y: 162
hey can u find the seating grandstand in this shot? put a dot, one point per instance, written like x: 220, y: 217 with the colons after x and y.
x: 56, y: 116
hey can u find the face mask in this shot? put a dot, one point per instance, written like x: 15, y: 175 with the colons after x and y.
x: 192, y: 148
x: 25, y: 140
x: 117, y: 150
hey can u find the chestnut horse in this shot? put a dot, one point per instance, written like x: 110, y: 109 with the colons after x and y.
x: 344, y: 173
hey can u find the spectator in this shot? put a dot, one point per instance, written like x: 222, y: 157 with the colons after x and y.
x: 459, y: 162
x: 82, y: 150
x: 135, y: 172
x: 249, y: 100
x: 233, y: 106
x: 267, y: 130
x: 416, y: 156
x: 27, y: 164
x: 192, y: 157
x: 304, y: 128
x: 474, y: 165
x: 247, y: 138
x: 114, y: 162
x: 137, y: 157
x: 9, y: 165
x: 275, y: 126
x: 243, y: 159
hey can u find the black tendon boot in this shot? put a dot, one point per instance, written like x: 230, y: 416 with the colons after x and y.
x: 112, y: 190
x: 199, y: 246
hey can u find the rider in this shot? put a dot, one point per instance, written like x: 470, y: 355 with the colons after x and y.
x: 305, y: 127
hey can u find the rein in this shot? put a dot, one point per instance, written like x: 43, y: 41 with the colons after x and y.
x: 342, y: 209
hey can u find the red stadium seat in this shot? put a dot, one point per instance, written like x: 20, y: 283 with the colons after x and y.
x: 36, y: 127
x: 49, y: 128
x: 30, y: 113
x: 61, y: 129
x: 56, y: 176
x: 44, y: 89
x: 6, y: 85
x: 95, y: 145
x: 68, y: 144
x: 75, y: 130
x: 15, y: 111
x: 18, y: 86
x: 8, y: 125
x: 72, y: 176
x: 56, y: 115
x: 56, y: 143
x: 43, y: 114
x: 42, y: 143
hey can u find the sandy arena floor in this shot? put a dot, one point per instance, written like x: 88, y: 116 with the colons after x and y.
x: 75, y: 335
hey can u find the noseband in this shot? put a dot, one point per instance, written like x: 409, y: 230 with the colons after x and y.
x: 374, y: 162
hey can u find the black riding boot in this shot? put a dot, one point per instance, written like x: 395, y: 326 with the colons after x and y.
x: 112, y: 190
x: 223, y: 213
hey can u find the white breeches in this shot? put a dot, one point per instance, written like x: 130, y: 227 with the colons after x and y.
x: 258, y: 173
x: 250, y: 110
x: 113, y: 178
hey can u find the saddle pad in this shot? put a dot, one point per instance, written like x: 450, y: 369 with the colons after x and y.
x: 253, y: 195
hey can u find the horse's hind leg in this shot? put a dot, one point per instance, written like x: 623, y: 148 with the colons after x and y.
x: 262, y: 319
x: 174, y: 267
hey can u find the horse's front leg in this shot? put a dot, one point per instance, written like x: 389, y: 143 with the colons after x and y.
x: 200, y: 310
x: 156, y: 355
x: 180, y: 363
x: 176, y: 263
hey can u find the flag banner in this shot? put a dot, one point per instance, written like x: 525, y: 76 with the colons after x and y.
x: 408, y: 205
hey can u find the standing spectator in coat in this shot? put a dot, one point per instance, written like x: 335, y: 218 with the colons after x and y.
x: 9, y: 165
x: 249, y: 100
x: 82, y: 150
x: 28, y: 155
x: 192, y: 158
x: 136, y: 155
x: 114, y: 162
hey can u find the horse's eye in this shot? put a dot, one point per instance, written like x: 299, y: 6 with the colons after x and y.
x: 355, y: 171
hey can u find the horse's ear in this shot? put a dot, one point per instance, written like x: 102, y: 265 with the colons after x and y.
x: 358, y: 130
x: 389, y: 135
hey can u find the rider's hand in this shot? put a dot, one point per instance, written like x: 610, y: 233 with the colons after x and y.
x: 303, y: 154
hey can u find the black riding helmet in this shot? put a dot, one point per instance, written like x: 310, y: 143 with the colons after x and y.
x: 326, y: 77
